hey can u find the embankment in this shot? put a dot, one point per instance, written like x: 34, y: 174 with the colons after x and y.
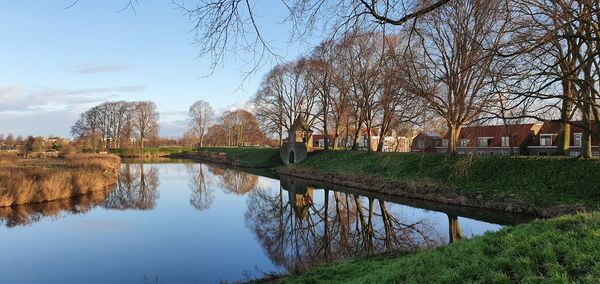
x: 24, y: 181
x: 539, y: 186
x: 561, y: 250
x: 248, y: 157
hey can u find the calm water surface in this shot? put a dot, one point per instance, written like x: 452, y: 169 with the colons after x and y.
x: 197, y: 223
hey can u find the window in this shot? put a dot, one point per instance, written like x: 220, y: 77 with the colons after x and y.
x: 574, y: 154
x: 505, y: 141
x: 421, y: 144
x: 445, y: 143
x: 546, y: 140
x: 321, y: 142
x: 483, y: 142
x: 577, y: 139
x: 463, y: 143
x: 595, y: 154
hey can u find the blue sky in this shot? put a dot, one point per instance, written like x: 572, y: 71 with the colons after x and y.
x: 55, y: 63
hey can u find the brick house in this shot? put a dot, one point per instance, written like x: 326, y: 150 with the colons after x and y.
x: 502, y: 140
x: 546, y: 141
x: 390, y: 143
x: 426, y: 142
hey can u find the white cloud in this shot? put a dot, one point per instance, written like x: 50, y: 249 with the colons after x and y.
x: 43, y: 110
x: 18, y: 99
x: 94, y: 68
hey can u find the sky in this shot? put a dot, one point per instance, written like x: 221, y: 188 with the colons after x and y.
x: 56, y: 62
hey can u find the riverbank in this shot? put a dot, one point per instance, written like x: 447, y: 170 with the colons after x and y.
x: 537, y: 186
x: 149, y: 152
x: 247, y: 157
x: 24, y: 181
x: 563, y: 249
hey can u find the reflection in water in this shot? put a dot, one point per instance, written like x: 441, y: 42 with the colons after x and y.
x: 234, y: 181
x: 202, y: 191
x: 454, y: 232
x: 27, y: 214
x: 297, y: 232
x: 137, y: 188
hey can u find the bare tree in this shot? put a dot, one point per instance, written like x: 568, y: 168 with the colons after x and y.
x: 453, y: 65
x: 201, y: 114
x: 145, y: 121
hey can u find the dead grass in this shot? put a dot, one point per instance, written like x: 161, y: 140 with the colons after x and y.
x: 8, y: 158
x: 35, y: 181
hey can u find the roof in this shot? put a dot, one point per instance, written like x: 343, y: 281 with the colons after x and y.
x: 300, y: 125
x: 555, y: 128
x: 518, y: 132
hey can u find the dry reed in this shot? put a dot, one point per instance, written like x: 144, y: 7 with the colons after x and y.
x: 25, y: 182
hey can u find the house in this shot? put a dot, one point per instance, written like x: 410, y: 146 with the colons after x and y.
x: 546, y: 142
x: 391, y: 143
x: 502, y: 140
x: 426, y: 142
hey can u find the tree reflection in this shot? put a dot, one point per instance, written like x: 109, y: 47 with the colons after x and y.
x: 202, y: 192
x: 137, y: 188
x: 297, y: 232
x: 234, y: 181
x: 27, y: 214
x: 454, y: 231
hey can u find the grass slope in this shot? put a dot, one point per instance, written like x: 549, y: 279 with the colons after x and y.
x: 151, y: 151
x: 560, y: 250
x: 544, y: 181
x: 249, y: 156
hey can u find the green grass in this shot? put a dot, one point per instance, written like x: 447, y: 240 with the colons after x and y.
x: 543, y: 181
x: 560, y: 250
x: 249, y: 156
x: 153, y: 151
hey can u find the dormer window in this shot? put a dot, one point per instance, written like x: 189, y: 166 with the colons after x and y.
x: 482, y: 142
x: 577, y: 139
x: 546, y: 140
x: 505, y: 141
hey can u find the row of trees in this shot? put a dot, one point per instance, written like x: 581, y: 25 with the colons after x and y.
x: 117, y: 124
x: 468, y: 62
x: 231, y: 128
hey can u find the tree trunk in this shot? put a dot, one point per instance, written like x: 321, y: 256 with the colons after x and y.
x: 453, y: 132
x: 565, y: 112
x: 356, y: 137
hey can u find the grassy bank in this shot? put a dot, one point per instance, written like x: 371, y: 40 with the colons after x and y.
x: 243, y: 156
x: 25, y: 181
x: 148, y: 151
x: 561, y: 250
x: 539, y: 181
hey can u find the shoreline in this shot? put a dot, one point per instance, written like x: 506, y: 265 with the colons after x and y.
x: 423, y: 191
x: 427, y: 192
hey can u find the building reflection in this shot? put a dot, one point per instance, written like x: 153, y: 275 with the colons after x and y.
x: 137, y: 188
x: 297, y: 232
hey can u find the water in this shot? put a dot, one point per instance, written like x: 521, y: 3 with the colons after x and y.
x: 196, y: 223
